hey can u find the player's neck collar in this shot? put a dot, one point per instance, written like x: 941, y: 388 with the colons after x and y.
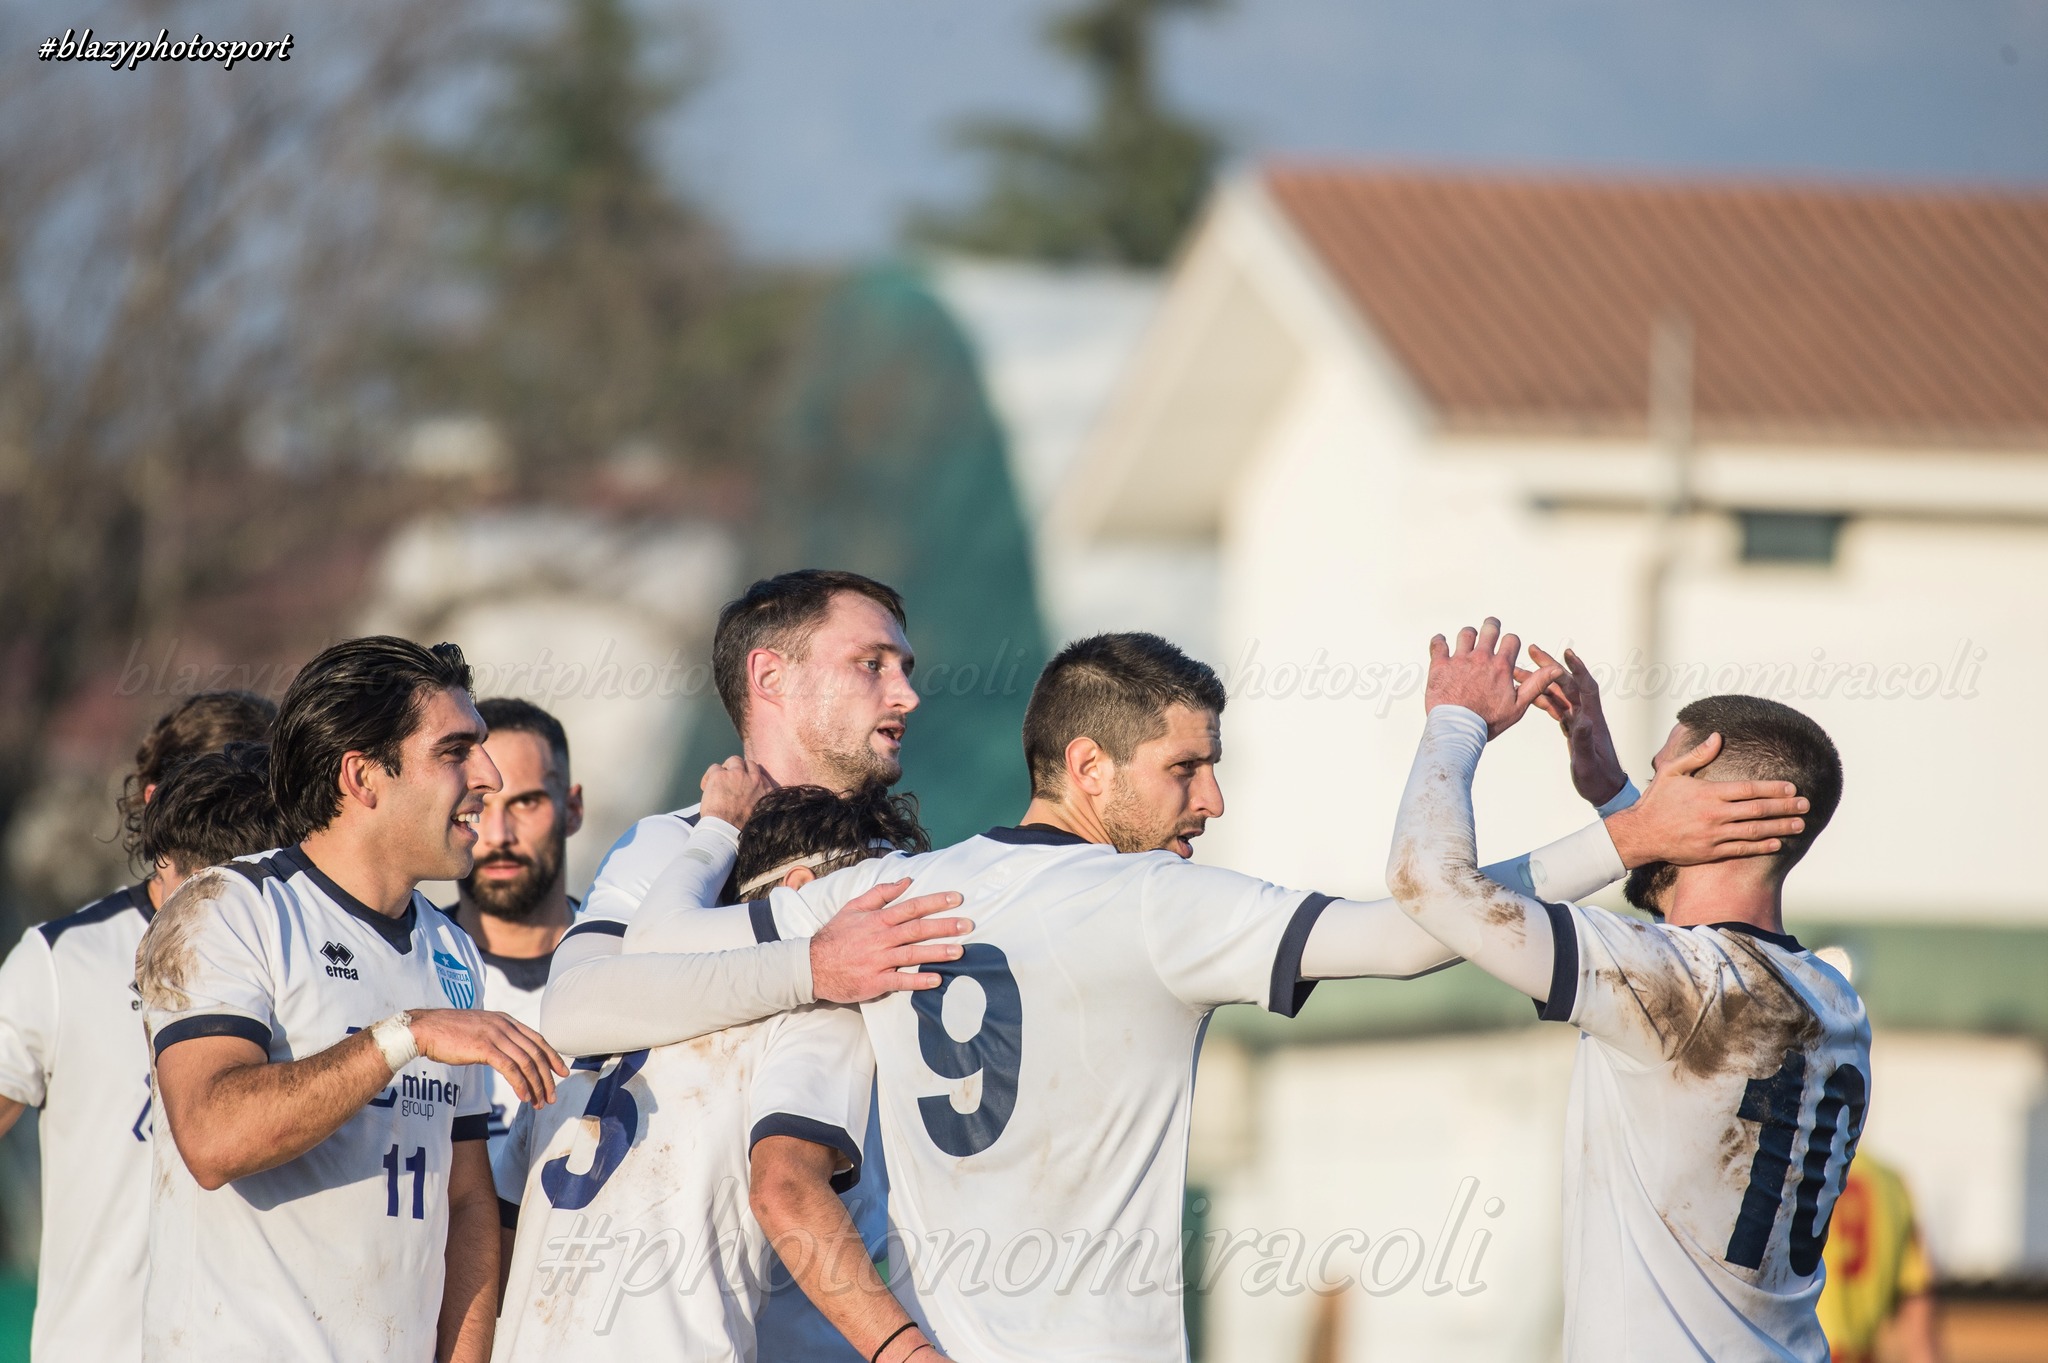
x: 1781, y: 939
x: 397, y: 932
x: 138, y: 897
x: 1038, y: 834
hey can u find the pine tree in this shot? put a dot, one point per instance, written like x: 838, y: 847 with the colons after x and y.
x: 614, y: 310
x: 1123, y: 189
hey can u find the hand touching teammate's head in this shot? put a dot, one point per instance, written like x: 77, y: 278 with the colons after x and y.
x: 814, y: 669
x: 1758, y: 740
x: 1127, y: 729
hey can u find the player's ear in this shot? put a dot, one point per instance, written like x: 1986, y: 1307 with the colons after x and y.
x: 572, y: 811
x: 359, y: 777
x: 1089, y: 768
x: 767, y: 675
x: 798, y: 877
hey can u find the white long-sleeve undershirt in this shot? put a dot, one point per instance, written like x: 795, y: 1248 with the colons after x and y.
x: 603, y: 998
x: 683, y: 968
x: 1499, y: 927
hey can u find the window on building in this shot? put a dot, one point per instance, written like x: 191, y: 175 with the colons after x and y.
x: 1789, y: 536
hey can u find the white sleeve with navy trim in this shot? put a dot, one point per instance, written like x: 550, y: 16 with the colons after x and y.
x: 815, y: 1079
x: 28, y: 1020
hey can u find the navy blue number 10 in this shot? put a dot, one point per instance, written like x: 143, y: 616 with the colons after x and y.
x: 1774, y: 1104
x: 996, y: 1052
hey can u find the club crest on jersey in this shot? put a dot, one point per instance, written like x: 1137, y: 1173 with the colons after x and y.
x: 340, y: 961
x: 456, y: 981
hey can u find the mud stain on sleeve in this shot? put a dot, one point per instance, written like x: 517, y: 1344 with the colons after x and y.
x: 166, y: 959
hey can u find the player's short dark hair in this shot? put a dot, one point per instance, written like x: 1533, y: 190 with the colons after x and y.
x: 1115, y: 689
x: 795, y: 822
x: 782, y: 613
x: 206, y: 722
x: 1767, y: 740
x: 510, y: 715
x: 213, y: 808
x: 361, y: 695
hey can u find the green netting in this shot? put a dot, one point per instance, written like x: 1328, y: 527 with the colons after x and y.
x: 891, y: 463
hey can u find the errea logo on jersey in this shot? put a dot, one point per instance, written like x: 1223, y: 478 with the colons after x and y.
x: 340, y: 961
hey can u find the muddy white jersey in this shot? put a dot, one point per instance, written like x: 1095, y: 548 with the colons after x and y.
x: 1035, y: 1108
x: 790, y: 1329
x: 1721, y: 1082
x: 336, y: 1256
x: 629, y: 1193
x: 71, y: 1043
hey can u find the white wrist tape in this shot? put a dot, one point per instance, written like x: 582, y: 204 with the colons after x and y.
x: 395, y: 1039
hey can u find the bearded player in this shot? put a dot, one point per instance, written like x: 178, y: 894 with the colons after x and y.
x: 1722, y: 1070
x: 515, y: 903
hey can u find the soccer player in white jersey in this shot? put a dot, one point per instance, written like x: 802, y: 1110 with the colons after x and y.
x: 321, y: 1187
x: 1036, y: 1119
x: 648, y: 1194
x: 70, y: 1045
x: 1723, y: 1070
x: 515, y: 901
x: 814, y: 669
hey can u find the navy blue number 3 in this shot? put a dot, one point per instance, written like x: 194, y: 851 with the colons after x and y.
x: 618, y: 1121
x: 996, y: 1052
x: 1773, y: 1103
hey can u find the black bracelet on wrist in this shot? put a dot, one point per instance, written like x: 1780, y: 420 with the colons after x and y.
x: 894, y: 1335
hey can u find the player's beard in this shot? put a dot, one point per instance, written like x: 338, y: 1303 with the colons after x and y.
x: 516, y: 899
x: 1649, y: 884
x: 850, y: 760
x: 1123, y: 818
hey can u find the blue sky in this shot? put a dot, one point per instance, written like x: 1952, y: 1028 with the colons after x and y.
x: 822, y: 119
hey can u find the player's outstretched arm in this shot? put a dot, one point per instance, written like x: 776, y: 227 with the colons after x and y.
x: 469, y: 1295
x: 600, y: 1000
x: 1472, y: 695
x: 234, y: 1112
x: 790, y: 1192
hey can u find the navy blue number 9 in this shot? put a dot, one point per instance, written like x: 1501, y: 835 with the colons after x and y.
x: 618, y: 1121
x: 996, y: 1052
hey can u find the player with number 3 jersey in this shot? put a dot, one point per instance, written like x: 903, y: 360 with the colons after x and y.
x: 1723, y: 1070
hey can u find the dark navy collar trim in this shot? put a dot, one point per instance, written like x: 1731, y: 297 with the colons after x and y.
x: 138, y: 899
x: 1039, y: 834
x: 396, y: 932
x: 1780, y: 939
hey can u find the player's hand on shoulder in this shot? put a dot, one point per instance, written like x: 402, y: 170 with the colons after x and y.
x: 1573, y: 700
x: 1479, y: 674
x: 861, y: 954
x: 732, y: 788
x: 477, y: 1036
x: 1686, y: 819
